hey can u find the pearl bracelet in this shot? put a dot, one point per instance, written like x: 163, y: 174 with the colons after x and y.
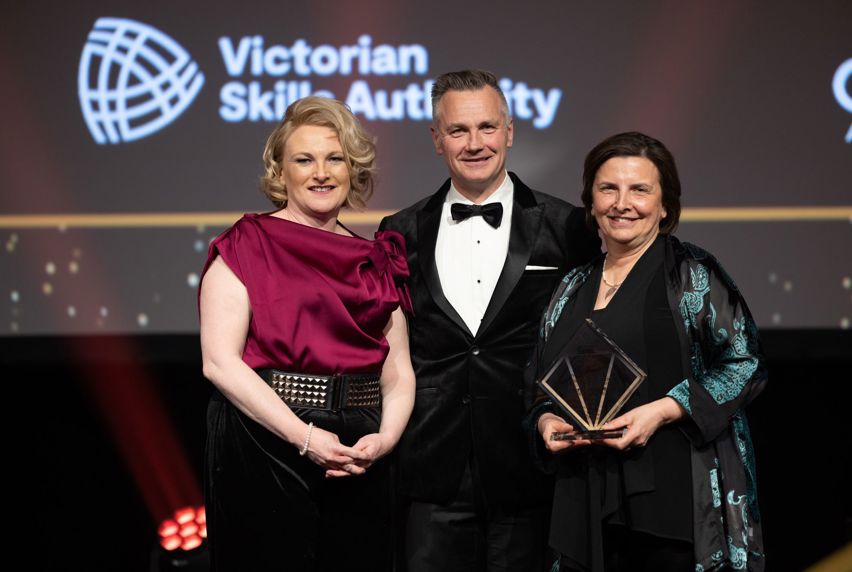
x: 304, y: 448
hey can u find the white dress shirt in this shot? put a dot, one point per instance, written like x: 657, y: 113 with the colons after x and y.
x: 470, y: 254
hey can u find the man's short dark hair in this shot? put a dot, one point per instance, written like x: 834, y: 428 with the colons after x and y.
x: 465, y: 80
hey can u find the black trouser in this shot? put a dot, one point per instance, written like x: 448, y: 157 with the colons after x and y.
x: 464, y: 536
x: 270, y: 509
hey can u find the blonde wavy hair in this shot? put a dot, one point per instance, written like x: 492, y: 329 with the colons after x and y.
x: 359, y: 149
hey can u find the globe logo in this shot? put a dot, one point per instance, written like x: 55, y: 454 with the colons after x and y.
x: 841, y: 92
x: 133, y: 80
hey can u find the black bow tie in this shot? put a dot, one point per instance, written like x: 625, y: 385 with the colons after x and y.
x: 492, y: 212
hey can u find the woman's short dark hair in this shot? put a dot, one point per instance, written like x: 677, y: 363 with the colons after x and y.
x: 635, y: 144
x: 358, y: 147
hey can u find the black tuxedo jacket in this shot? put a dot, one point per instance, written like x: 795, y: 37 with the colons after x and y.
x: 469, y: 395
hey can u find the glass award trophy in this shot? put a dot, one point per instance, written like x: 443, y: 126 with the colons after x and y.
x: 590, y: 382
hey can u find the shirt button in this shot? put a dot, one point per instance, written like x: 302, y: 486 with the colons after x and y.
x: 466, y: 399
x: 474, y: 351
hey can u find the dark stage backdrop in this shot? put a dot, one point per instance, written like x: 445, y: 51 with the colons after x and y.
x: 132, y: 132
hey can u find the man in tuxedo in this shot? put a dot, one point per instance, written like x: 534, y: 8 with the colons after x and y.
x: 485, y: 252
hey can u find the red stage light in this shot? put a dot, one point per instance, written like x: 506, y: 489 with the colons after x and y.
x: 186, y: 530
x: 191, y: 542
x: 168, y: 528
x: 184, y: 515
x: 171, y: 543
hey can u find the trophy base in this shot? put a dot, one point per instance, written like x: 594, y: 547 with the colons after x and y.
x: 596, y: 435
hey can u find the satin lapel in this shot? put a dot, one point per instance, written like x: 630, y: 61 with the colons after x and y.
x: 526, y: 220
x: 428, y: 222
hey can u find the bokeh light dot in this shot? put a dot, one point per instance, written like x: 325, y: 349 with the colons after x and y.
x: 171, y: 543
x: 73, y: 267
x: 184, y: 515
x: 844, y: 323
x: 47, y: 288
x: 168, y: 528
x: 847, y: 282
x: 72, y: 312
x: 773, y: 278
x: 14, y: 296
x: 788, y: 286
x: 776, y: 318
x: 191, y: 543
x: 50, y: 268
x: 13, y: 327
x: 104, y: 312
x: 199, y: 245
x: 192, y: 280
x: 142, y: 320
x: 77, y: 253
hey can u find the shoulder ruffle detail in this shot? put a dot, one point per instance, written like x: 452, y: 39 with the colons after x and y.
x: 388, y: 255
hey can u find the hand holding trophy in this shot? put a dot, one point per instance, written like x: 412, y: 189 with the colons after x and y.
x: 590, y: 382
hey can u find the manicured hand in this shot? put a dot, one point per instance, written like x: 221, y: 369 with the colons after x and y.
x: 548, y: 424
x: 373, y: 447
x: 326, y: 450
x: 641, y: 423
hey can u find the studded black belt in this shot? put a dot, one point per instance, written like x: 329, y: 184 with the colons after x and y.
x: 328, y: 392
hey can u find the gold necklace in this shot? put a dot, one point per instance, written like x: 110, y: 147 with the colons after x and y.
x: 612, y: 287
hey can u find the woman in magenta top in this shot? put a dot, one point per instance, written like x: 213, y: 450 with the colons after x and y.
x: 304, y: 336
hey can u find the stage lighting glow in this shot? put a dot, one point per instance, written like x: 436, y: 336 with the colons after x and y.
x: 171, y: 543
x: 168, y: 528
x: 185, y: 530
x: 184, y: 515
x: 192, y: 542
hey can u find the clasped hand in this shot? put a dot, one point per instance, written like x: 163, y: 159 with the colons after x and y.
x: 338, y: 460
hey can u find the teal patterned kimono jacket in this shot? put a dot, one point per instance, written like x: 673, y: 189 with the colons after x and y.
x: 721, y: 351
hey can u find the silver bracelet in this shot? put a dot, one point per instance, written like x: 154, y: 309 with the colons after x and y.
x: 304, y: 448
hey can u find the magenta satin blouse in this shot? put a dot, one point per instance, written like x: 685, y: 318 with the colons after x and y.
x: 319, y: 300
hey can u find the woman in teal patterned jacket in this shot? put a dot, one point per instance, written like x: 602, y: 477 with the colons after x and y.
x: 677, y: 490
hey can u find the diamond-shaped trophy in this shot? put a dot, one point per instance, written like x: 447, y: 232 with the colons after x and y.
x: 591, y: 381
